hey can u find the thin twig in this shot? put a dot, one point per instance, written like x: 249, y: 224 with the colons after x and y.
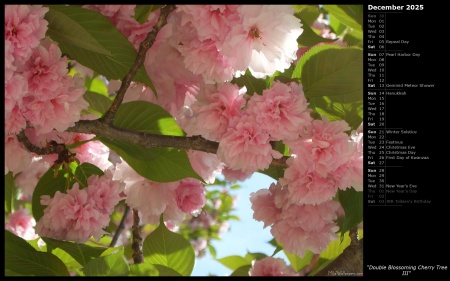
x: 139, y: 61
x: 120, y: 227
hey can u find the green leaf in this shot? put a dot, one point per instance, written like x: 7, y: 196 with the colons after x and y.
x: 47, y: 185
x: 278, y: 246
x: 34, y: 244
x: 273, y: 171
x: 156, y: 164
x: 84, y: 171
x: 11, y: 192
x: 353, y: 38
x: 112, y: 265
x: 80, y: 252
x: 308, y: 13
x: 96, y: 85
x: 166, y: 271
x: 350, y: 15
x: 120, y: 53
x: 309, y: 38
x: 67, y: 259
x: 356, y: 13
x: 297, y: 262
x: 352, y: 202
x: 336, y: 26
x: 143, y: 269
x: 63, y: 28
x: 146, y: 117
x: 253, y: 85
x: 332, y: 79
x: 22, y: 259
x: 254, y: 256
x: 334, y: 249
x: 242, y: 271
x: 143, y: 11
x: 169, y: 249
x: 235, y: 186
x: 234, y: 262
x: 212, y: 251
x: 98, y: 103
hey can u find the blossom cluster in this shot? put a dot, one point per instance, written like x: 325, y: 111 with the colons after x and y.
x: 192, y: 64
x: 38, y: 91
x: 270, y: 266
x: 324, y: 160
x: 79, y: 214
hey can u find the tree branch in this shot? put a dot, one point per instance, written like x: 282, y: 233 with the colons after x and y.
x: 101, y: 129
x: 138, y: 257
x: 140, y: 58
x: 32, y: 148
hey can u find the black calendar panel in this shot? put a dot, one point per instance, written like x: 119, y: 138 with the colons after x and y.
x: 405, y: 140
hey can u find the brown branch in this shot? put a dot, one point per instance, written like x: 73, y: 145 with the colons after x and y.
x: 147, y: 141
x: 32, y: 148
x: 138, y: 257
x: 101, y: 129
x: 139, y: 61
x: 350, y: 262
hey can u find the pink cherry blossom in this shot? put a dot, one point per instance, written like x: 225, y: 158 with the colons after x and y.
x: 201, y: 30
x: 307, y: 227
x: 202, y: 57
x: 15, y: 89
x: 265, y: 41
x: 351, y: 174
x: 190, y: 196
x: 17, y: 158
x: 270, y: 266
x: 44, y: 70
x: 207, y: 165
x: 25, y: 26
x: 263, y: 205
x: 15, y: 121
x: 113, y: 12
x: 134, y: 31
x: 21, y: 223
x: 282, y: 111
x: 61, y: 112
x: 246, y: 146
x: 327, y: 145
x: 215, y: 107
x: 10, y: 66
x: 210, y: 21
x: 105, y: 192
x: 94, y: 152
x: 199, y: 245
x: 150, y: 198
x: 305, y: 185
x: 71, y: 216
x: 27, y: 180
x: 79, y: 214
x: 165, y: 66
x: 235, y: 175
